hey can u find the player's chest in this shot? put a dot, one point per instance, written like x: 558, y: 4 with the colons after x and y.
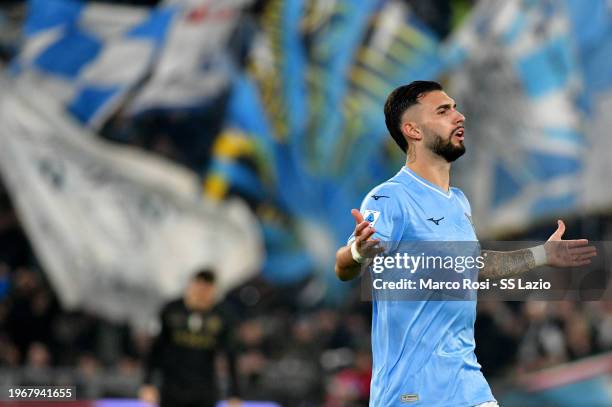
x: 195, y: 330
x: 442, y: 221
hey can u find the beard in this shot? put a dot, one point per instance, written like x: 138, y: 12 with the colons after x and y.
x: 446, y: 149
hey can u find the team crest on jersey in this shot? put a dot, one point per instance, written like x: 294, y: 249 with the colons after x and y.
x: 371, y: 216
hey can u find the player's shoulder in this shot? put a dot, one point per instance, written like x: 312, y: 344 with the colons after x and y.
x: 173, y: 305
x: 390, y: 186
x: 458, y: 192
x: 461, y: 196
x: 386, y: 194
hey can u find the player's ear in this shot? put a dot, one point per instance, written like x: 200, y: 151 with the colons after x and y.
x: 411, y: 131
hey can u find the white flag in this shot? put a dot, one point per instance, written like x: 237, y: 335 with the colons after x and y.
x: 194, y: 64
x: 117, y: 230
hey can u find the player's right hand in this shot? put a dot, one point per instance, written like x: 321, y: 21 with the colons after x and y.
x: 149, y: 394
x: 366, y: 246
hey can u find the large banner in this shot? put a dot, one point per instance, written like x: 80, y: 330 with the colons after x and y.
x: 194, y: 64
x: 305, y: 135
x: 116, y: 230
x: 97, y: 58
x: 90, y: 56
x: 531, y: 79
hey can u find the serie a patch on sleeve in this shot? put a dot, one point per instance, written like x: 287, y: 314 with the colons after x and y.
x: 371, y: 216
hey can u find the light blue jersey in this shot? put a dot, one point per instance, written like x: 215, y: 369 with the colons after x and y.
x: 423, y: 351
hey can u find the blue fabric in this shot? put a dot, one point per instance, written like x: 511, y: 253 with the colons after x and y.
x: 505, y: 186
x: 548, y: 166
x: 546, y: 69
x: 67, y: 56
x: 45, y: 14
x: 89, y: 100
x: 155, y: 27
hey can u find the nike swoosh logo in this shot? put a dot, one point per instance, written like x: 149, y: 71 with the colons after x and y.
x: 377, y: 197
x: 436, y: 221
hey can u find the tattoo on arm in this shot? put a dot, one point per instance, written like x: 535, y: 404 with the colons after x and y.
x: 506, y: 264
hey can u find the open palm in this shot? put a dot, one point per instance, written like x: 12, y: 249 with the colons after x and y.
x: 568, y: 253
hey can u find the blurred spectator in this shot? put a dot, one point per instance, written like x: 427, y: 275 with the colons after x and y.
x: 38, y: 356
x: 88, y: 366
x: 14, y: 246
x: 37, y: 365
x: 32, y: 311
x: 253, y: 350
x: 9, y: 354
x: 193, y: 332
x: 542, y: 344
x: 603, y: 311
x: 330, y: 332
x: 497, y: 327
x: 351, y: 386
x: 75, y: 334
x: 579, y: 333
x: 295, y: 379
x: 579, y: 338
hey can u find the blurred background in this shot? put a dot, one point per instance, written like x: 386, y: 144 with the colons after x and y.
x: 143, y: 139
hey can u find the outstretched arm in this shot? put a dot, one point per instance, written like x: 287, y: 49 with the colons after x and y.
x: 362, y: 248
x: 555, y: 252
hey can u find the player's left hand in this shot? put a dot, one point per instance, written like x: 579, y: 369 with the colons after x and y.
x: 567, y: 253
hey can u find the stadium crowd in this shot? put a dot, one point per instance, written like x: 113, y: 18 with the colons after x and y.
x: 291, y: 351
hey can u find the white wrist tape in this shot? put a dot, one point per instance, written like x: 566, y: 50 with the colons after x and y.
x: 355, y: 253
x: 539, y: 255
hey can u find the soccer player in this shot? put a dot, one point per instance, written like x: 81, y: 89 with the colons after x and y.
x: 193, y: 331
x: 423, y: 351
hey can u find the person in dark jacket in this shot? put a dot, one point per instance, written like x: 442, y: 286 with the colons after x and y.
x: 193, y: 332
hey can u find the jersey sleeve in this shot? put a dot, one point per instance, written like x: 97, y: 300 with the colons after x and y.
x: 384, y: 213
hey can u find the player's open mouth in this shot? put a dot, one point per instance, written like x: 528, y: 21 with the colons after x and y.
x: 459, y: 133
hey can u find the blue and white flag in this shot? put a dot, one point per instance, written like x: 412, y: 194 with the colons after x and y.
x: 89, y: 56
x: 96, y: 58
x: 194, y: 64
x: 592, y: 35
x: 515, y: 74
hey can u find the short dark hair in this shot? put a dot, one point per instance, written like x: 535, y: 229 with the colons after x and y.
x: 399, y: 101
x: 204, y: 276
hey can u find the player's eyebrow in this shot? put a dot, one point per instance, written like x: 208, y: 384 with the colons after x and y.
x: 446, y: 106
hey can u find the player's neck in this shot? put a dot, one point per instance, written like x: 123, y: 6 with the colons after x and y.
x: 435, y: 171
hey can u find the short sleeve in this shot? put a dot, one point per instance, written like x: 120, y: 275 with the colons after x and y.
x: 382, y: 209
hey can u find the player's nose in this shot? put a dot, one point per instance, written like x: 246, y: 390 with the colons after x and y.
x: 460, y: 118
